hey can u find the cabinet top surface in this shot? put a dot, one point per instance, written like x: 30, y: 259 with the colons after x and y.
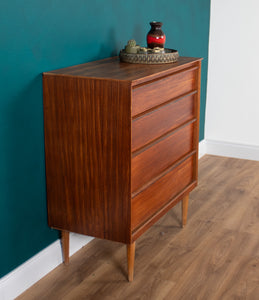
x: 112, y: 68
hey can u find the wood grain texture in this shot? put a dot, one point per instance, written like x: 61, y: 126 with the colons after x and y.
x: 65, y: 246
x: 185, y: 202
x: 197, y: 114
x: 92, y: 166
x: 150, y: 162
x: 215, y: 257
x: 153, y: 198
x: 88, y: 155
x: 157, y: 216
x: 113, y: 69
x: 162, y: 90
x: 160, y: 121
x: 131, y: 258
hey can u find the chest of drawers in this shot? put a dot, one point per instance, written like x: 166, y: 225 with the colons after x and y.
x: 121, y: 146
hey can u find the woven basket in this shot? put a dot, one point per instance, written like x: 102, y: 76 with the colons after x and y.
x: 169, y: 56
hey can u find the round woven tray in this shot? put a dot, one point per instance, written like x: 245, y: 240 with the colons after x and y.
x: 169, y: 56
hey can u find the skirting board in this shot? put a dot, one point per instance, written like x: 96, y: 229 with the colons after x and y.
x: 234, y: 150
x: 19, y: 280
x: 202, y: 148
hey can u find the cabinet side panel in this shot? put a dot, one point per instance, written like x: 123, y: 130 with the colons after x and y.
x: 197, y: 114
x: 88, y: 155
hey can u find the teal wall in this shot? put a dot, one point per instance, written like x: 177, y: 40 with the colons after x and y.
x: 38, y: 36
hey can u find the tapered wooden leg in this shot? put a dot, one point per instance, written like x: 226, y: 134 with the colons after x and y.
x: 185, y: 209
x: 131, y: 258
x: 65, y: 246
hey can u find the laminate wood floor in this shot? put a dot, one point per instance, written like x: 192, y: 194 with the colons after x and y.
x: 216, y: 256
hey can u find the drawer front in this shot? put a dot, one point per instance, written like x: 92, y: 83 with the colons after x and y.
x: 157, y: 92
x: 160, y: 121
x: 152, y: 199
x: 158, y: 157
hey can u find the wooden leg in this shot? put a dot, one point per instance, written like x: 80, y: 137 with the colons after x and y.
x: 185, y: 209
x: 131, y: 258
x: 65, y: 246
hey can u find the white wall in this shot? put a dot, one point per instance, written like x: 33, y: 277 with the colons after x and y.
x: 232, y: 112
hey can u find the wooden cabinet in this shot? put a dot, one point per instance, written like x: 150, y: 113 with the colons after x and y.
x: 121, y: 146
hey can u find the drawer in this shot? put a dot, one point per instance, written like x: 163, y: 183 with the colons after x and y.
x: 152, y: 199
x: 160, y: 121
x: 158, y: 157
x: 156, y: 92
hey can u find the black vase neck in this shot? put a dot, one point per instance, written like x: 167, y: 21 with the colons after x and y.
x: 156, y: 24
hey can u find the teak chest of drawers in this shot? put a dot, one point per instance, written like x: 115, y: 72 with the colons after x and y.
x: 121, y: 146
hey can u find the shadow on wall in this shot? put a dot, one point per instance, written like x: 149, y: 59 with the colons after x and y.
x: 112, y: 46
x: 24, y: 178
x: 139, y: 35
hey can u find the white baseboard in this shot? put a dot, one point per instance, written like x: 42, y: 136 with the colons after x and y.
x: 202, y: 148
x: 20, y: 279
x: 234, y: 150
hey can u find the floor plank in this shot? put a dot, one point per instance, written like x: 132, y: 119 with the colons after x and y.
x: 216, y: 255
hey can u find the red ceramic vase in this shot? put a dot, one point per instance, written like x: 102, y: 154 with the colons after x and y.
x: 155, y: 37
